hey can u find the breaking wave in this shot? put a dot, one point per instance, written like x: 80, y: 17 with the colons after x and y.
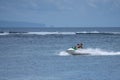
x: 59, y: 33
x: 5, y: 33
x: 52, y: 33
x: 97, y: 32
x: 91, y: 51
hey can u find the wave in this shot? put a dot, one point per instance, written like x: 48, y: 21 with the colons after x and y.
x: 97, y: 32
x: 4, y: 33
x: 59, y: 33
x: 52, y: 33
x: 38, y: 33
x: 91, y: 51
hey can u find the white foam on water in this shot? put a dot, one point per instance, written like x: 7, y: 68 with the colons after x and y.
x: 50, y: 33
x: 63, y: 53
x: 98, y: 51
x: 69, y: 33
x: 5, y: 33
x: 96, y: 32
x: 91, y: 51
x: 58, y: 33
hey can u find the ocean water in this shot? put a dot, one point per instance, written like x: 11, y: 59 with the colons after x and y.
x: 40, y: 54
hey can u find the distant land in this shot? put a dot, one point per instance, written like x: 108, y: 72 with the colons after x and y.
x: 6, y: 24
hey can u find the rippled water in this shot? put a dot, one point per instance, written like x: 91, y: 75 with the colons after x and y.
x: 39, y: 54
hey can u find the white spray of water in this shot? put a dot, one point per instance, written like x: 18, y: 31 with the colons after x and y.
x: 91, y: 51
x: 63, y: 53
x: 98, y: 52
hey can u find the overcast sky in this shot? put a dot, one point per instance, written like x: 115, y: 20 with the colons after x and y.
x: 63, y: 13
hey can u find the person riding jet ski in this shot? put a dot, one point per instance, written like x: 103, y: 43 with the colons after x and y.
x: 78, y: 46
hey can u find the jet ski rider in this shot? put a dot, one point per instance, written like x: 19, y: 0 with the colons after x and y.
x: 78, y: 46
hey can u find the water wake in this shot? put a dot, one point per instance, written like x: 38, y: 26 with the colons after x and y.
x: 63, y: 53
x: 91, y: 51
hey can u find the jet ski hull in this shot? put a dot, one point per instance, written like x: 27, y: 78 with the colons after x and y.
x: 76, y: 52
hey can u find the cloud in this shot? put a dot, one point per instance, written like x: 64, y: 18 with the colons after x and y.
x: 104, y: 3
x: 56, y: 5
x: 22, y: 5
x: 46, y: 6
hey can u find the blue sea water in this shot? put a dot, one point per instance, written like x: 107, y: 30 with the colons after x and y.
x: 39, y: 54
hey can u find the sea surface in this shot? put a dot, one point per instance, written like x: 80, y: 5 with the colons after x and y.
x: 40, y: 54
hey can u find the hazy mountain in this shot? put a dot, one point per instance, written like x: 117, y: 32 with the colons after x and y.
x: 20, y: 24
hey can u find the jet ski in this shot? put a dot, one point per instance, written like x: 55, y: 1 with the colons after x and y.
x: 73, y: 51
